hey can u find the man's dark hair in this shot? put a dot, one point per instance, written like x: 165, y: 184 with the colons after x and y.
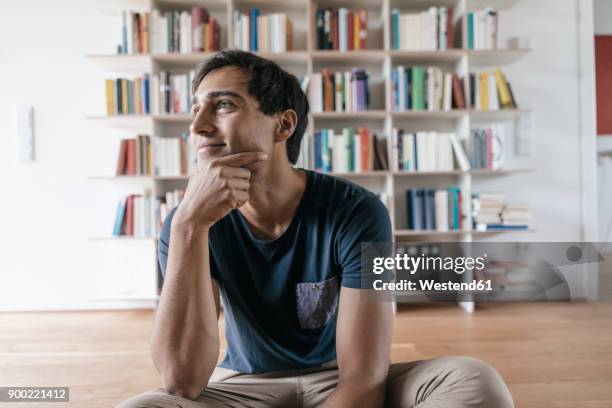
x: 275, y: 89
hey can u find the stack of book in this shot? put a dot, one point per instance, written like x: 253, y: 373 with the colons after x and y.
x: 349, y: 151
x: 339, y: 91
x: 134, y: 33
x: 184, y: 31
x: 426, y: 151
x: 428, y: 30
x: 482, y: 29
x: 172, y: 92
x: 127, y: 96
x: 341, y: 29
x: 490, y: 213
x: 138, y: 216
x: 173, y: 156
x: 490, y: 91
x: 434, y: 210
x: 426, y: 88
x: 135, y: 157
x: 487, y: 147
x: 264, y: 33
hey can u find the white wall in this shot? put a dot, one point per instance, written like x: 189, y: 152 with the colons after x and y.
x: 49, y: 208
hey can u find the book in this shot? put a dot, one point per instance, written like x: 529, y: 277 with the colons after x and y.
x: 346, y: 91
x: 434, y: 209
x: 482, y: 29
x: 183, y: 31
x: 254, y: 31
x: 430, y: 29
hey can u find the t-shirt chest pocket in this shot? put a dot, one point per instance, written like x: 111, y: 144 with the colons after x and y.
x: 317, y: 302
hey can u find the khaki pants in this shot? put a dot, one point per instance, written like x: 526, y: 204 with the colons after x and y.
x: 440, y: 382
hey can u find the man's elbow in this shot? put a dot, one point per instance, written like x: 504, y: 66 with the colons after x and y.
x: 185, y: 383
x: 184, y: 390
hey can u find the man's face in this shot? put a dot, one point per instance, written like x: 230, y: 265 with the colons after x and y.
x: 226, y: 118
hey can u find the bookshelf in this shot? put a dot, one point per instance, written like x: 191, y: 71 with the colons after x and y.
x: 378, y: 58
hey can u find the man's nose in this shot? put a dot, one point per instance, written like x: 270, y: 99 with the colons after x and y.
x: 203, y: 123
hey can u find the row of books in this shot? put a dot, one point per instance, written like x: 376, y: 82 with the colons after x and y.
x: 426, y: 151
x: 173, y: 156
x: 128, y: 96
x: 349, y: 151
x: 137, y: 215
x: 172, y: 92
x: 184, y: 31
x: 134, y: 33
x: 341, y: 29
x: 491, y: 213
x: 141, y: 215
x: 426, y: 88
x: 135, y: 157
x: 434, y: 210
x: 482, y: 29
x: 266, y: 33
x: 487, y: 147
x: 490, y: 91
x: 163, y: 93
x: 427, y: 30
x: 339, y: 91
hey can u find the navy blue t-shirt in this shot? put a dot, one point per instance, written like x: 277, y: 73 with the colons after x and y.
x: 280, y: 297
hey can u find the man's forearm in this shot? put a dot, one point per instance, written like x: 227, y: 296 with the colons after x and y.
x: 185, y: 337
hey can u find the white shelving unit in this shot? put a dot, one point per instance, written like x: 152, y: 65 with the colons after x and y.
x: 378, y: 59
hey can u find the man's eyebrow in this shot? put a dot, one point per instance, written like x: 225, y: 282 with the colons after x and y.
x: 217, y: 94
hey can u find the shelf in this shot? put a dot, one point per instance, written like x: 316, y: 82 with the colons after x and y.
x: 371, y: 114
x: 122, y: 178
x: 425, y: 114
x: 173, y: 117
x: 139, y: 178
x: 490, y: 232
x: 372, y: 173
x: 417, y: 233
x: 355, y: 56
x: 428, y: 173
x: 121, y: 238
x: 494, y: 4
x: 483, y: 58
x: 140, y: 120
x: 502, y: 114
x: 426, y: 56
x: 500, y: 172
x: 132, y: 63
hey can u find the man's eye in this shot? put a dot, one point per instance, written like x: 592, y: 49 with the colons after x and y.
x: 195, y: 111
x: 224, y: 105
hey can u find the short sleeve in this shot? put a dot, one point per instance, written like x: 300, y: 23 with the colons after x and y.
x: 163, y: 243
x: 366, y: 221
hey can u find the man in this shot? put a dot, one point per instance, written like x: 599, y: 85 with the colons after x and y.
x: 282, y: 246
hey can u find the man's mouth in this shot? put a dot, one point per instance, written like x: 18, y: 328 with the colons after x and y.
x: 207, y: 147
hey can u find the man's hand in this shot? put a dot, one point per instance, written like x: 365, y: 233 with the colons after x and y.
x: 217, y: 187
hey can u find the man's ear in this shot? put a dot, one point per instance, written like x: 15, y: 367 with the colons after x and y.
x: 286, y: 123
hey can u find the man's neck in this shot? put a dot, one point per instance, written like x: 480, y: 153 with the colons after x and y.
x: 275, y: 195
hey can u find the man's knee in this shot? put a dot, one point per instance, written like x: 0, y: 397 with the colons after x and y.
x: 480, y: 377
x: 155, y: 399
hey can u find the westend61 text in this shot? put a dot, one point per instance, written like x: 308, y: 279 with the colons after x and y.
x: 432, y: 285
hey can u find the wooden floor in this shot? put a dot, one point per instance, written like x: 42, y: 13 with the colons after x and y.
x: 551, y: 355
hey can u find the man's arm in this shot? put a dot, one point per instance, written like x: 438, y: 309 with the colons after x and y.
x: 363, y: 342
x: 185, y: 336
x: 185, y: 328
